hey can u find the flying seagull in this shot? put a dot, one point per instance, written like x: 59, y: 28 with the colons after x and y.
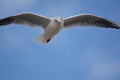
x: 52, y: 26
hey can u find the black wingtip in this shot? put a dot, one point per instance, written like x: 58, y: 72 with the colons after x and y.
x: 116, y: 26
x: 6, y: 21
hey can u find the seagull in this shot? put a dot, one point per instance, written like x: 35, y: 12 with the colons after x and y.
x: 53, y: 26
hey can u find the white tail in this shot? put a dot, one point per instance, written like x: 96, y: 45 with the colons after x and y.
x: 41, y: 39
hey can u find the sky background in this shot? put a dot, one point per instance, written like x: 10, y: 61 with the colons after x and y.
x: 81, y: 53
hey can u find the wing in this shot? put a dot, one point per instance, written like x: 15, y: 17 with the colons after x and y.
x: 26, y: 18
x: 89, y: 20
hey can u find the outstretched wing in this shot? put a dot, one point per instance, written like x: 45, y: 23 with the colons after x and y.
x: 89, y: 20
x: 26, y: 18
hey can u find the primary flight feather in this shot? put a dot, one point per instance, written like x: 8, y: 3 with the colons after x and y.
x: 52, y: 26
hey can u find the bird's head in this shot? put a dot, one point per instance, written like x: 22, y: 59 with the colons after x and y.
x: 58, y: 20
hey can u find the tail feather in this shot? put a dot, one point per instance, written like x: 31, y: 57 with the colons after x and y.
x: 41, y: 39
x: 44, y: 39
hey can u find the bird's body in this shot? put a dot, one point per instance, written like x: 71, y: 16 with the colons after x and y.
x: 50, y: 31
x: 52, y: 26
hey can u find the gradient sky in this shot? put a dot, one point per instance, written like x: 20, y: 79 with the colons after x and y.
x: 81, y: 53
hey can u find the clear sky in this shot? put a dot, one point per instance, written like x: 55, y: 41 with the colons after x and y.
x: 81, y: 53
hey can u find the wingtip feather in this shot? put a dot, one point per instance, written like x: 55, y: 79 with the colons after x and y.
x: 6, y: 21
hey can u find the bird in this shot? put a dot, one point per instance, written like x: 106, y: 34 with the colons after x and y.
x: 53, y: 26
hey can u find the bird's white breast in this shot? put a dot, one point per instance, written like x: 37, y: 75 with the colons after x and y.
x: 52, y: 29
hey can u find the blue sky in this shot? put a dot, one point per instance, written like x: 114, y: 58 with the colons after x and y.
x: 81, y: 53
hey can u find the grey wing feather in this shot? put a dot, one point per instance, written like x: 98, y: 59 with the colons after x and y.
x: 26, y: 18
x: 89, y: 20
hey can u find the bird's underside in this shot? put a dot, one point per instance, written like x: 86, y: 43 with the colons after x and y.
x: 79, y: 20
x: 41, y: 21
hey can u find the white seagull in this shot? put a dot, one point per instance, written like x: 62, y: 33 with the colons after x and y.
x: 52, y: 26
